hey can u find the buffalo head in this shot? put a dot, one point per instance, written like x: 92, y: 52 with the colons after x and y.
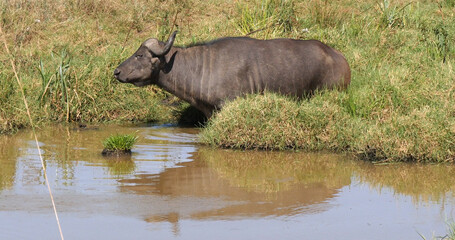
x: 143, y: 67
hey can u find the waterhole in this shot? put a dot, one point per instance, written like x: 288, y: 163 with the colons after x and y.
x: 171, y: 187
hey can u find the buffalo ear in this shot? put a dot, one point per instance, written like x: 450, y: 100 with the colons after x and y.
x: 158, y: 63
x: 155, y: 60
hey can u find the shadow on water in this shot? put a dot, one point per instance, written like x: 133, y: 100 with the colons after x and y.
x: 191, y: 117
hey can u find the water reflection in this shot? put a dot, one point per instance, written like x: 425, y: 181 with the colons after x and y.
x: 8, y: 151
x: 421, y: 182
x: 197, y: 179
x: 262, y: 171
x: 218, y: 172
x: 122, y: 165
x: 261, y: 184
x: 170, y: 179
x: 272, y: 172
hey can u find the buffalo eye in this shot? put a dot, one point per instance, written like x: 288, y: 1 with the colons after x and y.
x: 139, y: 56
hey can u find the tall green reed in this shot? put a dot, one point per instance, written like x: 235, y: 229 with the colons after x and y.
x: 55, y: 82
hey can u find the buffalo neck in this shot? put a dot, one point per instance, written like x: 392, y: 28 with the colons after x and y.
x: 181, y: 75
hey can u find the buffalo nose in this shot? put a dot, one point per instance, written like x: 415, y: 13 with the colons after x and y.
x: 116, y: 72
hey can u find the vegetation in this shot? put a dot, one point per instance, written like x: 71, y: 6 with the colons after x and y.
x: 120, y: 142
x: 451, y: 231
x: 399, y: 107
x: 318, y: 124
x: 65, y: 53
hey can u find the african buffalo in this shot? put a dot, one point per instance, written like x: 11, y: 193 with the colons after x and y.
x: 208, y: 74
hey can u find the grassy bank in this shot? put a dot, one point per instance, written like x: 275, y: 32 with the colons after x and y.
x: 400, y: 105
x: 66, y: 51
x: 275, y: 122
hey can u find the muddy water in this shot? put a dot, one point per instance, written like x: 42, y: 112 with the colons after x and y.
x: 173, y: 188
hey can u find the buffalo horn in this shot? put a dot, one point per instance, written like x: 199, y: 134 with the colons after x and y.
x: 157, y: 50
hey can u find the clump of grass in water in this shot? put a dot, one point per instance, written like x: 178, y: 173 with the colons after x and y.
x: 119, y: 144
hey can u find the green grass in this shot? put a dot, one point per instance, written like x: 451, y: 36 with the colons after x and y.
x: 326, y: 122
x: 273, y: 17
x: 450, y: 231
x: 120, y: 142
x: 65, y: 53
x: 399, y: 106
